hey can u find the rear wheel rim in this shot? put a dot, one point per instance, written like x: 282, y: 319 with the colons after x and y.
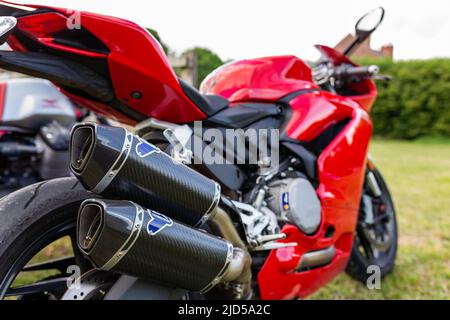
x: 50, y: 288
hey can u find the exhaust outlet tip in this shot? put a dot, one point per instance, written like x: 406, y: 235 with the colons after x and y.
x: 82, y: 145
x: 91, y: 220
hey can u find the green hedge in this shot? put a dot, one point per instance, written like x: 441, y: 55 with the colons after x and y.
x: 416, y: 102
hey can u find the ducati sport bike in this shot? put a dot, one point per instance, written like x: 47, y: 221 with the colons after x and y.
x: 146, y: 220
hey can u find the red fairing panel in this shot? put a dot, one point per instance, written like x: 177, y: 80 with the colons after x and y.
x: 314, y: 112
x: 341, y: 175
x: 263, y: 79
x: 2, y: 103
x: 334, y: 56
x: 2, y: 99
x: 365, y: 92
x: 137, y: 64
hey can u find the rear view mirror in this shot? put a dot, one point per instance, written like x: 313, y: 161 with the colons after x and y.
x: 7, y: 25
x: 369, y: 22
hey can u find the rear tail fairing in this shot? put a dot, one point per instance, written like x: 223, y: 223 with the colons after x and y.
x: 105, y: 61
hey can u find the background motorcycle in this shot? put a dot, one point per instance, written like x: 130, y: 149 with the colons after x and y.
x: 272, y: 247
x: 35, y: 123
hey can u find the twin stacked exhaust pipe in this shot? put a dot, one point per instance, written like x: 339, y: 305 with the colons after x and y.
x: 116, y: 164
x: 126, y: 237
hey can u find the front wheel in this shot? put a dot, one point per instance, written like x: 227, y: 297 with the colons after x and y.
x: 376, y: 237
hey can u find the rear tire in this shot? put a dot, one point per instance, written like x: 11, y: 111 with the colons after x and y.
x: 32, y: 213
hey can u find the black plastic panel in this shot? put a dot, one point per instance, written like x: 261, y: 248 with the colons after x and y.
x: 243, y: 115
x: 59, y: 70
x: 209, y: 104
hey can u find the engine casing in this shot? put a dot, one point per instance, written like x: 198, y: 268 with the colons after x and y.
x: 296, y: 201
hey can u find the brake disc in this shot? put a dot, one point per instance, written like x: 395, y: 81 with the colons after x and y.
x: 381, y: 242
x: 93, y: 285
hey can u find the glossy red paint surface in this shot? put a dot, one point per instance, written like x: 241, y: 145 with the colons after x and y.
x: 341, y: 176
x: 2, y: 98
x: 263, y: 79
x: 137, y: 64
x: 42, y: 27
x: 333, y: 55
x: 2, y: 104
x: 364, y: 92
x: 314, y: 112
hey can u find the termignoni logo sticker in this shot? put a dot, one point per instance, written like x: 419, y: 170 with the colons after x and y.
x: 145, y: 149
x: 157, y: 222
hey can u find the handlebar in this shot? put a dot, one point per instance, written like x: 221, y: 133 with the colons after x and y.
x: 346, y: 71
x: 337, y: 76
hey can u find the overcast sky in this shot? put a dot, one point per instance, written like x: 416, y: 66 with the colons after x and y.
x: 251, y: 28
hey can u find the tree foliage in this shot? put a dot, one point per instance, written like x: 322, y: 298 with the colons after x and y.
x: 207, y: 61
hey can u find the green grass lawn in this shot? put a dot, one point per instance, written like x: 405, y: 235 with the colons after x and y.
x: 418, y: 174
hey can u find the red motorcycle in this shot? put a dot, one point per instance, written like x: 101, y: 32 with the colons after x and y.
x: 147, y: 219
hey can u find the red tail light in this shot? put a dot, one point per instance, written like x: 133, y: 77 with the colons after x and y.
x: 52, y: 30
x: 43, y: 26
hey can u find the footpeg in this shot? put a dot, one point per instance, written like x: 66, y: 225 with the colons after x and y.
x: 267, y: 243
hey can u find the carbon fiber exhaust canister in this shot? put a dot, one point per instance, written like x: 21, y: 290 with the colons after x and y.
x: 116, y: 164
x: 124, y: 237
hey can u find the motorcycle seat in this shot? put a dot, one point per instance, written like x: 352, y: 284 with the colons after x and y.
x: 209, y: 104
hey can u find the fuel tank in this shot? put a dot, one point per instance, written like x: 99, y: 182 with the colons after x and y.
x: 262, y: 79
x: 29, y: 104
